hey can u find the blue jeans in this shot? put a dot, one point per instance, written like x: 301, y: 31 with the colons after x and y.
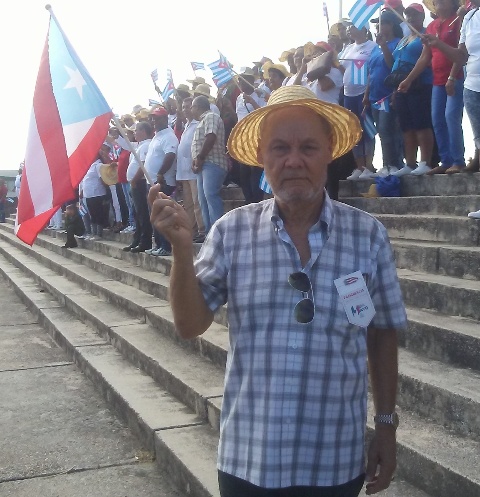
x: 209, y: 183
x: 447, y: 115
x: 366, y: 146
x: 390, y: 135
x: 129, y: 201
x: 472, y: 106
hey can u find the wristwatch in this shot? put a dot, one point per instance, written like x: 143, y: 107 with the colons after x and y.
x: 387, y: 419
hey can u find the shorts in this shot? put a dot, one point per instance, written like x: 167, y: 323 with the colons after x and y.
x: 414, y: 109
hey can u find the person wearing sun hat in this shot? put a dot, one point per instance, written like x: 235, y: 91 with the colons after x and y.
x: 197, y: 81
x: 296, y: 374
x: 275, y: 73
x: 204, y: 89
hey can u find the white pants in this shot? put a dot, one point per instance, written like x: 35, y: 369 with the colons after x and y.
x: 116, y: 204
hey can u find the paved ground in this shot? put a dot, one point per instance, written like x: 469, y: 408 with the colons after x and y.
x: 58, y: 437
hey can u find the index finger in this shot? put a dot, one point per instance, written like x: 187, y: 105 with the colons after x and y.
x: 155, y: 193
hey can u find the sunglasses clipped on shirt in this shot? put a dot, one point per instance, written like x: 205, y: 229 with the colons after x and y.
x: 304, y: 311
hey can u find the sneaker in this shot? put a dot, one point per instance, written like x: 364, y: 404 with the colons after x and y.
x: 367, y: 174
x: 474, y: 215
x: 92, y: 238
x: 421, y: 169
x: 383, y: 173
x: 162, y: 252
x: 150, y: 251
x: 232, y: 185
x: 402, y: 172
x: 355, y: 175
x: 128, y: 229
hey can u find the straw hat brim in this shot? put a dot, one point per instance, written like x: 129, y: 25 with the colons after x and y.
x: 431, y: 6
x: 245, y: 136
x: 109, y: 174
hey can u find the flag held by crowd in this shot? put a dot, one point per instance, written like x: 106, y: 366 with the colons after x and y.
x: 325, y: 11
x: 264, y: 186
x: 383, y: 104
x: 169, y: 88
x: 369, y: 126
x: 362, y: 11
x: 222, y: 71
x: 359, y: 72
x: 154, y: 75
x: 198, y: 66
x: 68, y: 124
x: 151, y: 102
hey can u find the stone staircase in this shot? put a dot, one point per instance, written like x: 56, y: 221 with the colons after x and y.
x: 108, y: 309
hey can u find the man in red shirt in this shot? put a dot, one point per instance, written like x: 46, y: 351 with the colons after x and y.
x: 3, y: 199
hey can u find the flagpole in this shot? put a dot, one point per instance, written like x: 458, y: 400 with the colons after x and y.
x: 340, y: 10
x: 132, y: 150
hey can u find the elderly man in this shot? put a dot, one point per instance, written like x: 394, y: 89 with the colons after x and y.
x: 311, y: 288
x: 209, y: 160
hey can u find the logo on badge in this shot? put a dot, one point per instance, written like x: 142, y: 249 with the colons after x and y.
x: 349, y: 281
x: 359, y: 310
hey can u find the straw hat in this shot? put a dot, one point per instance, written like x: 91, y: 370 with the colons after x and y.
x: 109, y: 174
x: 202, y: 89
x: 286, y: 54
x: 245, y: 136
x: 279, y: 67
x: 199, y: 81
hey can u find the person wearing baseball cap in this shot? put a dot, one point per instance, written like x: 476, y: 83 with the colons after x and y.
x: 398, y: 7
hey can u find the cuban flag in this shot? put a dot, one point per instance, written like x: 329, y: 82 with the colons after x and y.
x: 383, y: 104
x: 68, y: 124
x: 325, y: 11
x: 222, y: 71
x: 169, y: 88
x: 264, y: 184
x: 154, y: 75
x: 198, y: 66
x: 359, y: 72
x: 362, y: 11
x: 369, y: 126
x: 151, y: 102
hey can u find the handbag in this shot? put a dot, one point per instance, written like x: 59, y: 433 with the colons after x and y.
x: 394, y: 79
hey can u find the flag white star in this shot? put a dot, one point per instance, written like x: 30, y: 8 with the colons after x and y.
x: 76, y: 81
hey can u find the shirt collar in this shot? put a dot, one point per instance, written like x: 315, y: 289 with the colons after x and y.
x: 324, y: 221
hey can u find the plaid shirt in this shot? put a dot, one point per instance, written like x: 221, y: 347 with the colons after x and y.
x: 211, y: 123
x: 294, y: 407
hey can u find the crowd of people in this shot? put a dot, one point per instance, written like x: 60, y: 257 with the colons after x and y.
x: 412, y: 83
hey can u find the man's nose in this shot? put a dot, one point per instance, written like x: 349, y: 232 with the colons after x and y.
x: 294, y: 158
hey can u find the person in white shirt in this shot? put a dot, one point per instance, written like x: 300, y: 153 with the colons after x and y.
x: 300, y: 78
x: 142, y: 238
x: 94, y: 191
x: 204, y: 89
x: 247, y: 102
x: 354, y: 59
x: 160, y: 164
x: 186, y: 177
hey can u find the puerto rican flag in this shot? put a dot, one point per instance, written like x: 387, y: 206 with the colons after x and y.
x: 362, y: 11
x: 359, y: 72
x: 69, y: 122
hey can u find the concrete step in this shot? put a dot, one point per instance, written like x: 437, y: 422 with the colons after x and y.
x: 124, y: 333
x: 444, y: 294
x: 423, y: 186
x: 459, y: 205
x: 437, y: 258
x: 450, y: 339
x: 450, y: 229
x: 447, y: 395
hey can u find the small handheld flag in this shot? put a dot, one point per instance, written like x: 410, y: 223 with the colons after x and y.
x: 222, y: 71
x: 369, y: 126
x: 325, y: 14
x: 169, y: 88
x: 198, y: 66
x: 362, y: 11
x: 151, y: 102
x: 264, y: 184
x: 154, y: 75
x: 383, y: 104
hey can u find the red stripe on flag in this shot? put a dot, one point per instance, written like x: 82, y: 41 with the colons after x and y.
x: 50, y: 130
x: 87, y: 151
x: 25, y: 210
x: 28, y: 230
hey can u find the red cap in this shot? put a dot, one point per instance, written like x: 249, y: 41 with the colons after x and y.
x: 394, y: 3
x: 416, y: 6
x: 159, y: 111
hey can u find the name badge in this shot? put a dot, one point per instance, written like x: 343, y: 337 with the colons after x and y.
x: 355, y: 299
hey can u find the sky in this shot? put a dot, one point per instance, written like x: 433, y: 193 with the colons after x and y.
x: 121, y: 42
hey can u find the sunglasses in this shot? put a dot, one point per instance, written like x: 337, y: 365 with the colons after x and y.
x: 304, y: 311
